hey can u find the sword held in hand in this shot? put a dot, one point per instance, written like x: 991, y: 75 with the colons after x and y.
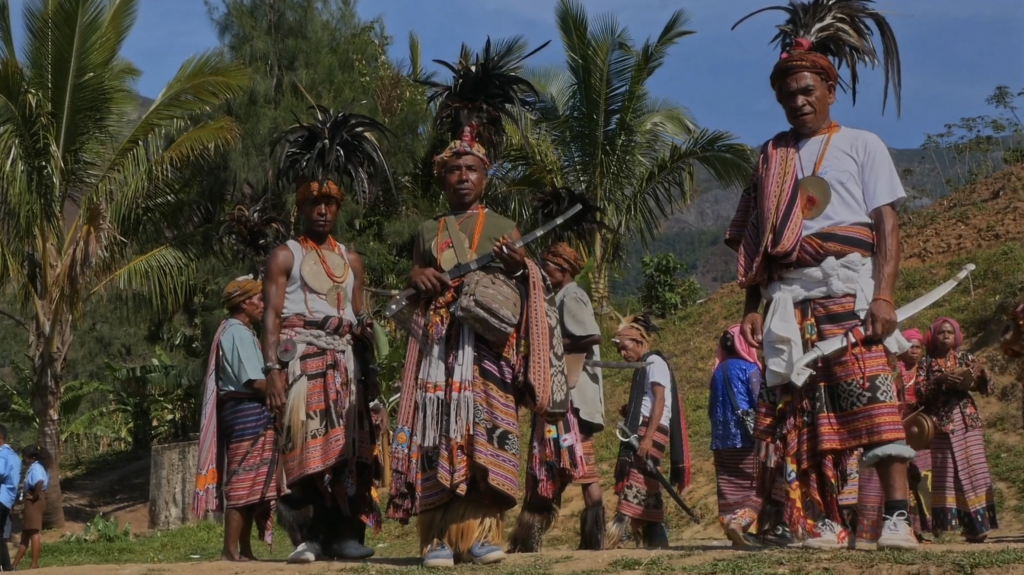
x: 633, y: 441
x: 823, y: 349
x: 402, y: 299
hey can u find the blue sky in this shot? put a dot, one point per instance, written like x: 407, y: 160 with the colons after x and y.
x: 954, y: 53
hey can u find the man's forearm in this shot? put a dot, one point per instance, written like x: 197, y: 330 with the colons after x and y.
x: 657, y: 409
x: 887, y: 251
x: 271, y: 337
x: 752, y: 302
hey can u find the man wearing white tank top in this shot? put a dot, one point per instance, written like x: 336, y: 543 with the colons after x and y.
x: 319, y: 363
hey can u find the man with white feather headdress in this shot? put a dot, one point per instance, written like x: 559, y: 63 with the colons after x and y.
x: 818, y: 240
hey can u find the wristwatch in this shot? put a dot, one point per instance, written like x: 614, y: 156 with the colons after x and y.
x: 269, y: 367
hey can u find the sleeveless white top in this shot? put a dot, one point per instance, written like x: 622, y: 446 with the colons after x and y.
x: 300, y: 300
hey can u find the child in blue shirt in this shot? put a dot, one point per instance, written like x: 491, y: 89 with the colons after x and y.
x: 37, y: 481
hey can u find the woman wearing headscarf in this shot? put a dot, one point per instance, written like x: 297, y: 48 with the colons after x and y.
x: 731, y: 405
x: 655, y: 415
x: 488, y: 344
x: 963, y: 497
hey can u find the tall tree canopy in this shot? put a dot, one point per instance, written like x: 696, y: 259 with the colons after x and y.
x: 93, y: 196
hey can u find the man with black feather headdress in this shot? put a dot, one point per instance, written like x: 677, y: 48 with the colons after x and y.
x: 655, y: 414
x: 491, y: 341
x: 320, y: 368
x: 818, y: 239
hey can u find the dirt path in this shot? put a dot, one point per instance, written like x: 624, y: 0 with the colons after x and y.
x: 565, y: 562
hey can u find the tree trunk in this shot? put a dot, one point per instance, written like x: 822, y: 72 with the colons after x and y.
x: 49, y: 344
x: 599, y: 280
x: 48, y: 392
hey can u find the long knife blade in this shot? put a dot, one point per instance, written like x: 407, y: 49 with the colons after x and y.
x: 402, y: 299
x: 616, y: 364
x: 823, y: 349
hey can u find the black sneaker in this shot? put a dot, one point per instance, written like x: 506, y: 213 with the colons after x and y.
x: 779, y: 536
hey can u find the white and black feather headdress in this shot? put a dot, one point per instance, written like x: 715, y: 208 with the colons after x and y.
x: 841, y: 30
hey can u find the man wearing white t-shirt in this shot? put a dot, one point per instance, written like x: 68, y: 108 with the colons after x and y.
x: 654, y: 397
x: 818, y: 240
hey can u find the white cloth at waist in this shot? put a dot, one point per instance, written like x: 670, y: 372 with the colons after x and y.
x: 781, y: 339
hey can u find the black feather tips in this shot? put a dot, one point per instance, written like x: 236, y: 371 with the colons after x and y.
x: 551, y: 203
x: 339, y: 147
x: 486, y: 89
x: 842, y: 31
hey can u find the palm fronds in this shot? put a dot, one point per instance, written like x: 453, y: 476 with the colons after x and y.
x: 340, y: 147
x: 841, y: 30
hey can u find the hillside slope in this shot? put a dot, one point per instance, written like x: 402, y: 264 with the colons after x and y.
x: 974, y: 225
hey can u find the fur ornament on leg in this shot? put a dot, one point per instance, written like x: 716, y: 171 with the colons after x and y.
x: 460, y: 523
x: 616, y: 531
x: 592, y: 527
x: 533, y: 522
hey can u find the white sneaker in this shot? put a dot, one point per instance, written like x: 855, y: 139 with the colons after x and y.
x: 830, y: 536
x: 304, y: 553
x: 897, y: 533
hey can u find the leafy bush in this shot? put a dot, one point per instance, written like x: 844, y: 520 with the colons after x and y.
x: 1013, y: 156
x: 103, y: 530
x: 663, y: 292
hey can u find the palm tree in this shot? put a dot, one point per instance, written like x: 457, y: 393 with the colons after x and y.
x: 602, y: 134
x: 93, y: 194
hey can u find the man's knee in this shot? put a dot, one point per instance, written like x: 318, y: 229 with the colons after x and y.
x: 894, y: 451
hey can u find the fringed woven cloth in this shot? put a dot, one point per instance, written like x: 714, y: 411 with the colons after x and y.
x: 555, y: 459
x: 337, y: 432
x: 457, y: 415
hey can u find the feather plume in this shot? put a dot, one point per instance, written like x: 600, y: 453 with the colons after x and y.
x: 551, y: 203
x: 339, y: 147
x: 485, y: 89
x: 841, y: 30
x: 642, y: 322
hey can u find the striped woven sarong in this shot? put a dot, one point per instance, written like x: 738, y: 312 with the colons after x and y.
x: 963, y: 496
x: 735, y: 473
x: 248, y: 436
x: 640, y: 494
x: 870, y: 505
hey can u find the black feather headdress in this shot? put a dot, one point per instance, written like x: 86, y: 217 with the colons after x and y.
x: 485, y: 90
x: 841, y: 31
x: 338, y: 148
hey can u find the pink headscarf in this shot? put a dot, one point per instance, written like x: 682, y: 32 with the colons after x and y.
x: 958, y: 336
x: 743, y: 349
x: 913, y: 334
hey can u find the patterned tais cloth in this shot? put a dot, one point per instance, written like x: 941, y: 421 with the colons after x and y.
x: 338, y: 435
x: 437, y: 451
